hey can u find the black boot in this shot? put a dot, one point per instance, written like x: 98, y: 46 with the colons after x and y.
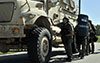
x: 69, y: 59
x: 92, y: 52
x: 82, y: 57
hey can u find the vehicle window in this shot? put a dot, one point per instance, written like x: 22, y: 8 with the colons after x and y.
x: 54, y: 0
x: 65, y: 1
x: 72, y: 3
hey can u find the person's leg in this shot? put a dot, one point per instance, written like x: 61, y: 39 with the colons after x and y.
x: 83, y: 48
x: 69, y: 49
x: 78, y: 42
x: 92, y: 45
x: 64, y: 42
x: 87, y: 47
x: 66, y: 45
x: 74, y: 46
x: 79, y: 50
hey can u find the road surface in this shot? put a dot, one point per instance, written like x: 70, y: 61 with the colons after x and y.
x: 58, y: 56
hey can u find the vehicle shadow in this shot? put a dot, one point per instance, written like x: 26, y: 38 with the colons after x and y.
x: 60, y: 57
x: 54, y: 59
x: 96, y: 53
x: 55, y: 53
x: 20, y: 58
x: 99, y: 49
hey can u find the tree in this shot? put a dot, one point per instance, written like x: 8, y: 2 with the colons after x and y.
x: 98, y: 30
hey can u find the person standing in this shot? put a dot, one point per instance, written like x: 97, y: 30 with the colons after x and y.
x: 92, y: 35
x: 82, y: 34
x: 67, y: 32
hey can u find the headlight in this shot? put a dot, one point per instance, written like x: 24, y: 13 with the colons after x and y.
x: 31, y: 15
x: 28, y: 17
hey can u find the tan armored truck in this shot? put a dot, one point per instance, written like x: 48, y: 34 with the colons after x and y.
x: 31, y: 25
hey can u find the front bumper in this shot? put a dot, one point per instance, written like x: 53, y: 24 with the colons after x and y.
x: 11, y: 31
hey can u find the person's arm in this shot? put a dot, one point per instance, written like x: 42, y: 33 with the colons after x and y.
x: 71, y: 31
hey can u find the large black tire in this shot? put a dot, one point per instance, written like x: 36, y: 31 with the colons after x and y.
x: 39, y: 45
x: 4, y: 48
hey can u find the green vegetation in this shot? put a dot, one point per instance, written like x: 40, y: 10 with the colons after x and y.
x: 98, y: 38
x: 6, y: 53
x: 98, y: 30
x: 13, y: 51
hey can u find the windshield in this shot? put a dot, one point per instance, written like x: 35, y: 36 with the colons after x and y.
x: 6, y: 11
x: 65, y: 1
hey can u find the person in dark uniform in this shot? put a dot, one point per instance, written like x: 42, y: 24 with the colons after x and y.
x: 92, y: 31
x: 81, y: 34
x: 67, y: 37
x: 87, y: 45
x: 81, y: 40
x: 89, y: 38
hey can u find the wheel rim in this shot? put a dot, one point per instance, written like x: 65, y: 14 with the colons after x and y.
x: 45, y: 46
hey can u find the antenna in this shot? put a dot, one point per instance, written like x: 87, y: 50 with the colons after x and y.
x: 79, y: 6
x: 47, y: 6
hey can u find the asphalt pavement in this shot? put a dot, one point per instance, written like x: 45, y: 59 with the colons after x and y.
x: 58, y: 56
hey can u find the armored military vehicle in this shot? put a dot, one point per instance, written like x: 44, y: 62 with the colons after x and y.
x: 32, y: 25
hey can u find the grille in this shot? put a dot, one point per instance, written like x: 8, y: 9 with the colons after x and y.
x: 6, y: 11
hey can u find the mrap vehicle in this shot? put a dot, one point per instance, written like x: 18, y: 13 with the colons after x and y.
x: 32, y: 25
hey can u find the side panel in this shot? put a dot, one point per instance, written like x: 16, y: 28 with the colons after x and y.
x: 63, y: 8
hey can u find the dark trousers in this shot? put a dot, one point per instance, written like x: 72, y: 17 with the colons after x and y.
x: 81, y: 41
x: 67, y: 41
x: 87, y: 46
x: 92, y: 46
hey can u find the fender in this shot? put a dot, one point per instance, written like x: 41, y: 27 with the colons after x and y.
x: 37, y: 17
x: 31, y: 16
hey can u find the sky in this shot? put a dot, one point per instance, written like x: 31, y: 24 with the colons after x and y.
x: 92, y: 9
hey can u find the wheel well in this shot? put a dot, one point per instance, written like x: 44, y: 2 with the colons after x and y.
x: 43, y: 22
x: 40, y: 22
